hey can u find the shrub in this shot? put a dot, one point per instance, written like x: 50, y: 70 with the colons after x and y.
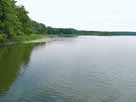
x: 3, y: 37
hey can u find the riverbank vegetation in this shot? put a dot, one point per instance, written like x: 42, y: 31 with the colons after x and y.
x: 16, y: 24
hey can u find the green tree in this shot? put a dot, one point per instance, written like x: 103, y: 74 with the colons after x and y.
x: 9, y: 22
x: 26, y: 23
x: 38, y: 28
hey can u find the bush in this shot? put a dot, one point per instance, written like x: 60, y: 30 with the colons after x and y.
x: 3, y: 37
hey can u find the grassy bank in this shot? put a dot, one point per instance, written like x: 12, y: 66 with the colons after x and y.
x: 21, y: 39
x: 28, y: 38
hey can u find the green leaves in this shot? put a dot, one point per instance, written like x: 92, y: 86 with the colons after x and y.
x: 38, y: 28
x: 8, y: 19
x: 14, y: 20
x: 3, y: 37
x: 25, y: 21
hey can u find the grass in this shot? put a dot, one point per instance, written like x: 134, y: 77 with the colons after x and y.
x: 23, y: 38
x: 28, y: 37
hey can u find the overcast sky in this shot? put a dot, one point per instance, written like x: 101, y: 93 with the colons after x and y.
x: 104, y: 15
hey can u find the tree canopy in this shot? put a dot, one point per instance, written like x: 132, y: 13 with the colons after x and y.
x: 14, y: 20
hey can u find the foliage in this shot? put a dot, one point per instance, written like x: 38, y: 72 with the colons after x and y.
x: 25, y: 21
x: 51, y: 30
x: 3, y: 37
x: 28, y: 38
x: 14, y: 21
x: 9, y: 22
x: 70, y: 31
x: 38, y: 28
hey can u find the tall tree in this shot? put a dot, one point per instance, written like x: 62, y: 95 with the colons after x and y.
x: 24, y: 19
x: 9, y: 22
x: 14, y: 20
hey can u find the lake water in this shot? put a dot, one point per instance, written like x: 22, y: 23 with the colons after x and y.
x: 74, y: 69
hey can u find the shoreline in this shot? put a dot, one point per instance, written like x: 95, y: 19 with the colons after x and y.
x: 34, y: 38
x: 47, y: 39
x: 43, y: 40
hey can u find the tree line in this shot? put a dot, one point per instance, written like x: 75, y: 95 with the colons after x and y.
x: 14, y: 20
x: 69, y: 31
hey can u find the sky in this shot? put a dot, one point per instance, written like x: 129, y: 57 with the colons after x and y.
x: 96, y: 15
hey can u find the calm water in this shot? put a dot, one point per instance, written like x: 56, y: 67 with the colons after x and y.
x: 78, y: 69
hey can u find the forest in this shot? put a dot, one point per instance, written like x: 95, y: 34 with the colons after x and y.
x: 14, y: 21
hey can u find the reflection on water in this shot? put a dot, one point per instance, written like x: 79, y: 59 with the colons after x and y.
x: 12, y: 59
x: 76, y: 69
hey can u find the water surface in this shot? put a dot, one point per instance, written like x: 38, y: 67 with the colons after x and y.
x: 75, y: 69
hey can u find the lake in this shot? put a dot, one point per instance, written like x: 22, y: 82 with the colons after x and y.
x: 70, y: 69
